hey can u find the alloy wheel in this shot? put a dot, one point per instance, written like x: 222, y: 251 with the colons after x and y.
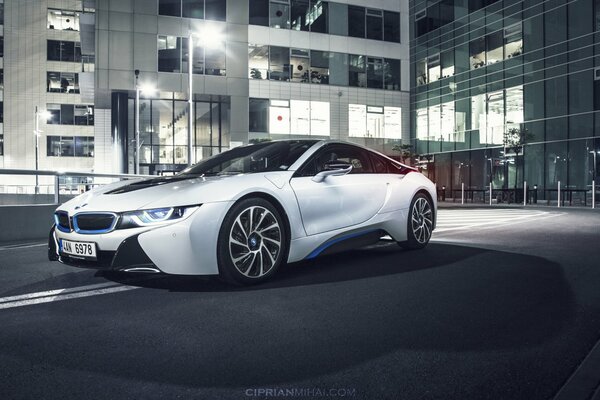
x: 422, y: 221
x: 255, y: 241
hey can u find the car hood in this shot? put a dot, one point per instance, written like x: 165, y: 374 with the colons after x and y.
x: 171, y: 192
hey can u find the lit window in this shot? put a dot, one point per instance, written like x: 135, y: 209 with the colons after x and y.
x: 258, y: 61
x: 477, y: 53
x: 63, y: 20
x: 434, y: 70
x: 513, y: 41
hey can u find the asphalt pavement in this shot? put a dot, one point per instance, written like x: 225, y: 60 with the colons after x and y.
x: 503, y: 304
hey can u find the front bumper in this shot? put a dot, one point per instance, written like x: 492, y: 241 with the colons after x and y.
x: 129, y: 256
x: 186, y: 247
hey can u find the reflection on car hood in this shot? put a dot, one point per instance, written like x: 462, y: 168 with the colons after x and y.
x: 137, y: 185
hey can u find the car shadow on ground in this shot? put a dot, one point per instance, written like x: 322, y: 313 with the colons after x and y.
x: 313, y: 319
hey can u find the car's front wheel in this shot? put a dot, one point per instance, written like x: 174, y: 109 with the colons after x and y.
x: 420, y: 223
x: 252, y: 242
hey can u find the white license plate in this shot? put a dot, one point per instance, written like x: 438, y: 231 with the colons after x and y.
x: 78, y: 249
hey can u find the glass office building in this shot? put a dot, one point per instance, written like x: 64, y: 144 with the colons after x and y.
x: 483, y: 71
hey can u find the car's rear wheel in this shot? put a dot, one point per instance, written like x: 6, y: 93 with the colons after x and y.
x: 252, y: 242
x: 420, y: 223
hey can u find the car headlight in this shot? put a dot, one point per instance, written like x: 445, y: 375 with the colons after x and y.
x: 155, y: 216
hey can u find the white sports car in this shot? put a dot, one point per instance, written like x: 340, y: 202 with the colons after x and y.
x: 244, y: 212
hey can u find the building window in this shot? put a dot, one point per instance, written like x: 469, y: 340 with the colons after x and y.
x: 69, y: 146
x: 299, y: 13
x: 357, y: 71
x: 421, y: 71
x: 300, y: 65
x: 173, y: 56
x: 434, y: 71
x: 447, y: 60
x: 63, y: 20
x: 391, y: 74
x: 1, y: 79
x: 199, y: 9
x: 169, y: 7
x: 477, y: 53
x: 356, y: 21
x: 391, y: 26
x: 513, y: 41
x: 1, y: 112
x: 494, y: 47
x: 374, y: 73
x: 475, y: 5
x: 215, y: 61
x: 70, y: 114
x: 318, y: 16
x: 279, y: 13
x: 374, y: 122
x: 192, y: 9
x: 1, y: 145
x: 62, y: 82
x: 1, y: 46
x: 374, y: 24
x: 169, y: 54
x: 279, y: 63
x: 215, y: 10
x: 319, y: 67
x: 258, y: 115
x: 258, y: 12
x: 258, y: 61
x: 284, y: 117
x: 84, y: 146
x: 61, y: 50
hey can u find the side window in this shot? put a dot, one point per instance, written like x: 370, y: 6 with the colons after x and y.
x: 379, y: 165
x: 359, y: 158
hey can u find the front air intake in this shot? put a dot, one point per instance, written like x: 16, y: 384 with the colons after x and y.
x: 61, y: 219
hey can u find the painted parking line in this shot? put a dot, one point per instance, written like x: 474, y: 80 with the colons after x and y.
x: 62, y: 294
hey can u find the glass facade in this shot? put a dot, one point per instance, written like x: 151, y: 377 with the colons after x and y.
x: 326, y: 17
x: 164, y: 131
x: 485, y: 72
x: 173, y: 56
x: 322, y: 67
x: 201, y: 9
x: 69, y: 146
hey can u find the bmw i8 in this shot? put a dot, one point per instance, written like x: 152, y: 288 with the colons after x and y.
x: 243, y: 213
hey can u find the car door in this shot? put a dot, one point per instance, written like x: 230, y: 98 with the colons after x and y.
x: 338, y: 201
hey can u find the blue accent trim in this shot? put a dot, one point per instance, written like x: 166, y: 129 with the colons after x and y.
x: 326, y: 245
x: 57, y: 223
x: 97, y: 231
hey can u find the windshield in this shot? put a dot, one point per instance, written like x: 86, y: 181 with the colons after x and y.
x: 263, y: 157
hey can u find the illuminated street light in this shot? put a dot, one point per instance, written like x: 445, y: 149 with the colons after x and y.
x: 212, y: 37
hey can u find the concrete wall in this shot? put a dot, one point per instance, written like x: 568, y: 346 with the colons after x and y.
x: 25, y: 222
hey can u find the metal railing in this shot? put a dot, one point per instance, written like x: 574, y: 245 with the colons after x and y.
x: 560, y: 196
x: 56, y: 188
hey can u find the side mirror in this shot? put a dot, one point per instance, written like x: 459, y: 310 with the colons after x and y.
x: 334, y: 168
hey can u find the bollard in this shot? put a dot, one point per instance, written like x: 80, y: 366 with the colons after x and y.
x: 558, y: 194
x: 56, y: 190
x: 490, y: 193
x: 462, y: 193
x: 524, y: 193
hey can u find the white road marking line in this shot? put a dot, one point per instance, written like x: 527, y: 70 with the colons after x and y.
x: 68, y: 296
x: 22, y: 246
x: 54, y: 292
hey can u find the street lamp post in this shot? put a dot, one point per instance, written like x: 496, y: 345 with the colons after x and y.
x: 136, y: 148
x: 37, y: 132
x: 190, y: 96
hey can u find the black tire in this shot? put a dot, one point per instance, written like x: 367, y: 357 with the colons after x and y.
x: 247, y: 249
x: 420, y: 223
